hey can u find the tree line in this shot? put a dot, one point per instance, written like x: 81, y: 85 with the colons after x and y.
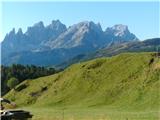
x: 17, y: 73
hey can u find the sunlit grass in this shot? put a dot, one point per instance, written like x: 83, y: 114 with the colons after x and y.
x: 123, y: 87
x: 91, y: 114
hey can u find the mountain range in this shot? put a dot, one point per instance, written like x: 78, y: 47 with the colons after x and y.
x: 55, y: 43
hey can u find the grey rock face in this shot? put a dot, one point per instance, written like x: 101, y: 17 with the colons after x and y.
x: 54, y: 30
x: 119, y: 33
x: 81, y: 34
x: 33, y: 39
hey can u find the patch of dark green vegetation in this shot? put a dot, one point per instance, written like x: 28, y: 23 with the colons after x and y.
x: 21, y: 73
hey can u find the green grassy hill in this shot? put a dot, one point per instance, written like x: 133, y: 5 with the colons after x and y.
x: 126, y: 82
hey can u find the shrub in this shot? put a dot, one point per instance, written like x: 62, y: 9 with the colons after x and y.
x: 12, y: 82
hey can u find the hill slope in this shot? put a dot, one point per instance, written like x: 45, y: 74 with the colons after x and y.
x: 129, y: 81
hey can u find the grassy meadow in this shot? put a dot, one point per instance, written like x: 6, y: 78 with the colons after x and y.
x: 123, y: 87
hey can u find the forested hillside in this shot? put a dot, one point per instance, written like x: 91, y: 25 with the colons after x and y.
x: 21, y: 73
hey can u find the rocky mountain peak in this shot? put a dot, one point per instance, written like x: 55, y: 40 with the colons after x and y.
x: 120, y: 33
x: 57, y: 25
x: 56, y: 22
x: 85, y: 33
x: 39, y: 24
x: 86, y: 26
x: 10, y: 36
x: 12, y: 32
x: 20, y: 31
x: 118, y: 30
x: 99, y: 25
x: 36, y: 30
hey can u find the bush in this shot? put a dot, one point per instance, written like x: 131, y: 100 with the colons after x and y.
x: 12, y: 82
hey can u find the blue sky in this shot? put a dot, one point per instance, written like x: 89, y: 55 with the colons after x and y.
x: 142, y: 18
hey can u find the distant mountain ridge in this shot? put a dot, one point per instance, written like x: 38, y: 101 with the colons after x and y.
x: 54, y: 43
x: 149, y: 45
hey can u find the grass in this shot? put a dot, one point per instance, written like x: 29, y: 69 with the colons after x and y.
x: 91, y: 114
x: 123, y: 87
